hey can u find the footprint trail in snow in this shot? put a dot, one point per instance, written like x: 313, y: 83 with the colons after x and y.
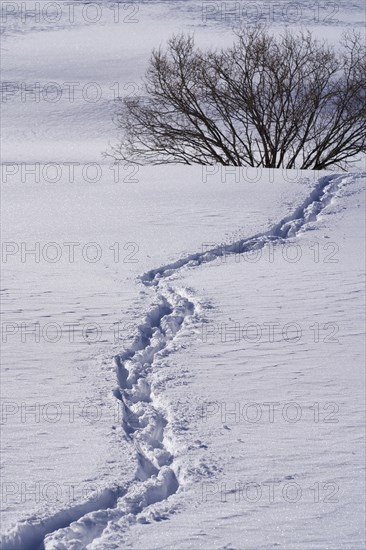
x: 144, y: 419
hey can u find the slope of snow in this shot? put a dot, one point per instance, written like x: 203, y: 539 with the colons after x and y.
x: 273, y: 394
x: 155, y: 424
x: 64, y: 320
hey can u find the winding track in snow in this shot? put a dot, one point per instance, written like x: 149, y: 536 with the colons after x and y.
x: 143, y: 419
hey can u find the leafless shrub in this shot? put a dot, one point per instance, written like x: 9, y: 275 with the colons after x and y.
x: 278, y: 102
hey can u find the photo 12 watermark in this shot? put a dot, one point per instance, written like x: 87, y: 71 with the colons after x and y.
x: 54, y: 412
x: 55, y: 492
x: 63, y: 12
x: 68, y: 92
x: 270, y: 412
x: 271, y: 251
x: 70, y: 252
x: 269, y: 332
x: 247, y: 12
x: 68, y: 172
x: 69, y: 332
x: 271, y: 492
x: 255, y: 174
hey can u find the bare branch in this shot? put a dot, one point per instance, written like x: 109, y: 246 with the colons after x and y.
x: 290, y: 101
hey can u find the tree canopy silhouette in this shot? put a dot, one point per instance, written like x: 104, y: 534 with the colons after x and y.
x: 290, y: 101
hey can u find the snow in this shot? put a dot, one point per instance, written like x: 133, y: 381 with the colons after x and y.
x: 275, y: 419
x: 67, y: 298
x: 151, y: 371
x: 157, y: 417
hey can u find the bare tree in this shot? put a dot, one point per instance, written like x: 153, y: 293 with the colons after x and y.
x: 290, y: 101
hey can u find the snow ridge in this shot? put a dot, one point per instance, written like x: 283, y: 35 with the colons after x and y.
x: 323, y: 193
x: 143, y: 418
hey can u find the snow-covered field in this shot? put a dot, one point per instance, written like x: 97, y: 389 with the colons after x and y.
x: 178, y: 343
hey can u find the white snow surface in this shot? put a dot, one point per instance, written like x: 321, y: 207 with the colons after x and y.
x: 194, y: 360
x: 200, y: 382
